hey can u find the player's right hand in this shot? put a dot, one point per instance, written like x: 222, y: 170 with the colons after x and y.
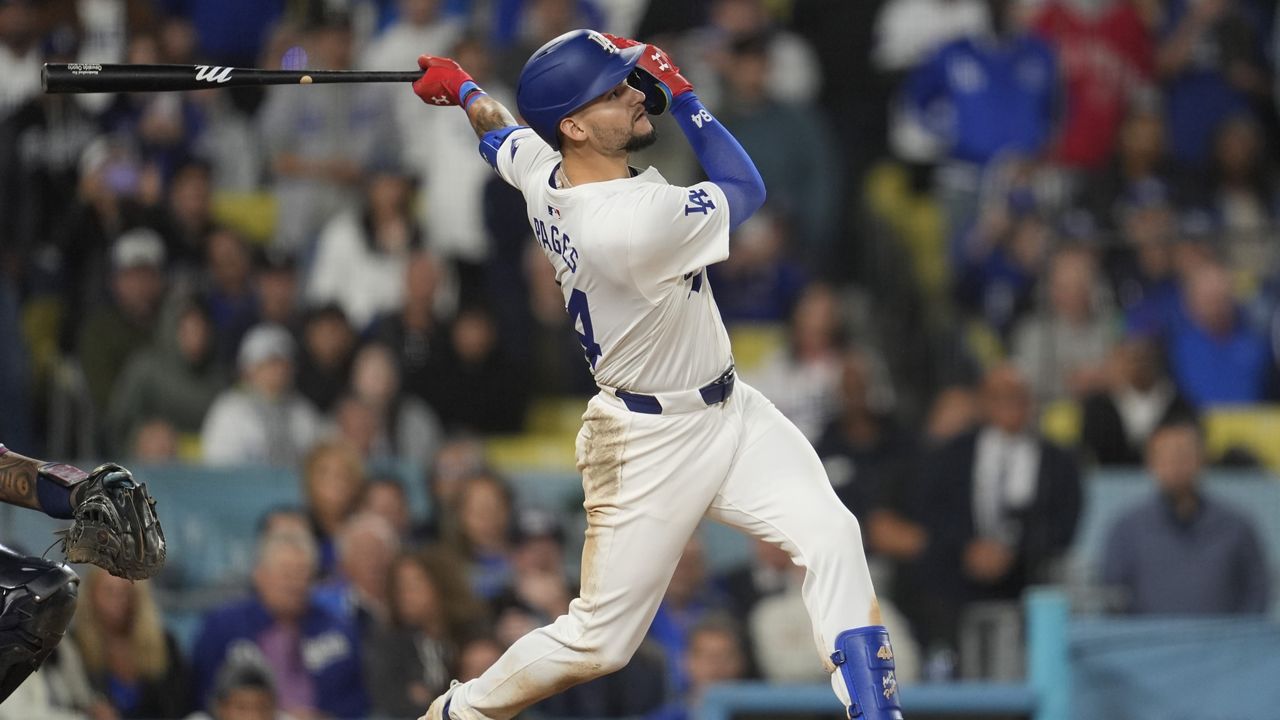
x: 443, y: 81
x: 656, y: 69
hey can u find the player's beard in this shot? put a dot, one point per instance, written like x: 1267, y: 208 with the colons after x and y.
x: 641, y: 141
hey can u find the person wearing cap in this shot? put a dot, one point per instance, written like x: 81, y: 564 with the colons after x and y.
x: 113, y: 331
x: 263, y: 419
x: 243, y: 690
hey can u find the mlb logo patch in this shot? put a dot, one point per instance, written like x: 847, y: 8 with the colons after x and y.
x: 553, y: 212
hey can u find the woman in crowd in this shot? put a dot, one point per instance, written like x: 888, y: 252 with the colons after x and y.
x: 432, y: 613
x: 130, y: 658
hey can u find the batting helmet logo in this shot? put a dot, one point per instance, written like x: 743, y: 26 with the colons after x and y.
x: 567, y: 73
x: 603, y: 41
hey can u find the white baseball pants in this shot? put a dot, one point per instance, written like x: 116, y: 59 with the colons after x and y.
x: 648, y: 480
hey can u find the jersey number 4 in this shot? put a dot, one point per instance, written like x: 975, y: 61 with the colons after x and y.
x: 580, y: 316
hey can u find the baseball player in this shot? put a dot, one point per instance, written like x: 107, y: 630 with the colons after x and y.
x: 114, y: 526
x: 673, y: 435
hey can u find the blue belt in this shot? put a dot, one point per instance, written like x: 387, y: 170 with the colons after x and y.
x: 716, y: 391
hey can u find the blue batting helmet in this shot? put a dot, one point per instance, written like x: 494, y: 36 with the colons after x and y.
x: 567, y: 73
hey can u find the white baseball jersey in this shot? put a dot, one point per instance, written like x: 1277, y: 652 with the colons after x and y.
x: 630, y: 256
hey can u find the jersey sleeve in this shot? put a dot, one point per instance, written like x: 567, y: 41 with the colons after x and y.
x: 517, y: 153
x: 677, y: 230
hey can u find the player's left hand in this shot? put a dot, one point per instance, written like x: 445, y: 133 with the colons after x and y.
x: 443, y: 81
x: 657, y: 76
x: 115, y: 525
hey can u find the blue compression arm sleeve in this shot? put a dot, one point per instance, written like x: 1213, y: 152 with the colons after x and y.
x: 722, y: 158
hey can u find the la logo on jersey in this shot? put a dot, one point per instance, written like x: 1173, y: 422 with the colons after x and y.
x: 603, y: 42
x: 699, y: 202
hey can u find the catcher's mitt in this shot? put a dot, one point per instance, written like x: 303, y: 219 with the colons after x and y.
x: 115, y: 525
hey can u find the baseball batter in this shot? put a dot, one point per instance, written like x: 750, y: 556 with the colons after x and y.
x: 672, y: 436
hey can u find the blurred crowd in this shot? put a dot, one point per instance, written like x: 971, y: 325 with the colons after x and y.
x: 979, y: 210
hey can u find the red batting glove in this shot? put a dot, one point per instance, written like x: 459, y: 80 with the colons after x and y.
x: 444, y: 82
x: 658, y: 65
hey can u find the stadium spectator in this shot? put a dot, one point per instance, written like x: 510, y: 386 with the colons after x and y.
x: 276, y: 288
x: 908, y: 32
x: 473, y: 385
x: 1108, y: 62
x: 154, y: 442
x: 420, y: 29
x: 407, y: 429
x: 1211, y: 65
x: 313, y: 654
x: 228, y: 288
x: 365, y: 547
x: 451, y: 206
x: 1061, y: 348
x: 20, y: 53
x: 243, y: 690
x: 112, y: 332
x: 767, y: 573
x: 412, y: 331
x: 715, y: 653
x: 1239, y: 192
x: 791, y: 146
x: 333, y: 482
x: 263, y: 419
x: 476, y: 656
x: 320, y: 141
x: 1215, y: 356
x: 556, y: 358
x: 794, y: 76
x: 174, y: 380
x: 230, y: 32
x: 361, y: 252
x: 432, y: 612
x: 131, y: 660
x: 385, y: 496
x: 690, y: 599
x: 984, y: 98
x: 1002, y: 506
x: 1140, y: 264
x: 41, y: 142
x: 186, y: 218
x: 484, y: 532
x: 107, y: 204
x: 160, y: 124
x: 803, y: 378
x: 328, y: 347
x: 1117, y: 421
x: 1141, y: 158
x: 1181, y: 551
x: 863, y: 445
x: 760, y: 282
x: 461, y: 457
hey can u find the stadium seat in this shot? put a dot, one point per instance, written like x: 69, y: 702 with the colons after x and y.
x: 1255, y: 429
x: 1061, y: 421
x: 252, y: 214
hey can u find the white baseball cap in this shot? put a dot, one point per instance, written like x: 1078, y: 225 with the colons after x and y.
x: 264, y: 342
x: 139, y: 247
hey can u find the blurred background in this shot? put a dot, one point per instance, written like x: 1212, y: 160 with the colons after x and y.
x: 1018, y: 279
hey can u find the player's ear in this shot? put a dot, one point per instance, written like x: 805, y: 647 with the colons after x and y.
x: 572, y: 129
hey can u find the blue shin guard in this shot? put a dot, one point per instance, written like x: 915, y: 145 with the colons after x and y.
x: 865, y: 660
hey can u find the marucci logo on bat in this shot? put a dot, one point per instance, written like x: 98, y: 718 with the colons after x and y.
x: 214, y: 74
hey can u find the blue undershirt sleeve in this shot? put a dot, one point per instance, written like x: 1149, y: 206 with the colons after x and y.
x: 722, y: 158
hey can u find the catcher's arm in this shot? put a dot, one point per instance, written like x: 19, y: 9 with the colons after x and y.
x: 114, y: 523
x: 38, y: 485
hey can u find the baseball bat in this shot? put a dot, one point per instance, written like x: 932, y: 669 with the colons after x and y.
x: 95, y: 78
